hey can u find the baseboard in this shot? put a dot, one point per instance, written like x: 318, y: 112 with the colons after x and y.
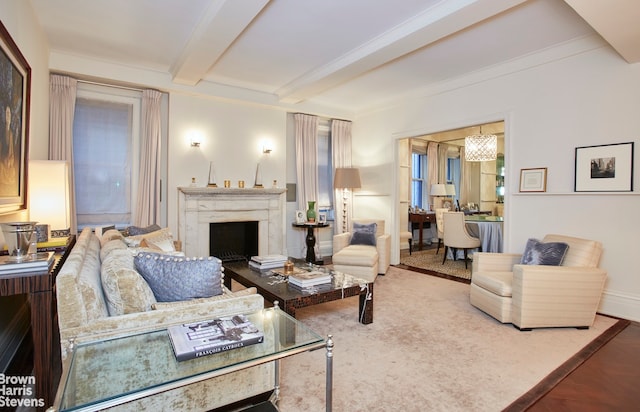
x: 620, y: 305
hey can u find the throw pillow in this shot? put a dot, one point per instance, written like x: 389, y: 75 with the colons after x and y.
x: 124, y: 289
x: 173, y: 278
x: 135, y: 230
x: 364, y: 234
x: 153, y: 237
x: 539, y: 253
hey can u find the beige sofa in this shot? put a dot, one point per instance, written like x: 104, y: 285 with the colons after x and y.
x: 539, y: 296
x: 83, y: 315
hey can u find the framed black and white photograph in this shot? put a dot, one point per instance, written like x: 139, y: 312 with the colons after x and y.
x: 322, y: 217
x: 301, y: 216
x: 15, y: 82
x: 604, y: 168
x: 533, y: 180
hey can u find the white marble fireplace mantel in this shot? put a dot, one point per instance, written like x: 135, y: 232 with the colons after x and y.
x: 199, y: 206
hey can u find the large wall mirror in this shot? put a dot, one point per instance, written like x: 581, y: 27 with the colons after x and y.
x: 428, y: 161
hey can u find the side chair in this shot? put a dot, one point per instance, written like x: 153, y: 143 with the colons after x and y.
x: 456, y: 236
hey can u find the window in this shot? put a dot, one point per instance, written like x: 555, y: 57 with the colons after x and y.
x: 418, y: 180
x: 105, y: 148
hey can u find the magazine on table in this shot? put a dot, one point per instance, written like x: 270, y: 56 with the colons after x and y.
x: 310, y: 278
x: 198, y: 339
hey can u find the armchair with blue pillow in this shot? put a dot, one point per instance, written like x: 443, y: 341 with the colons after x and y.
x: 556, y: 282
x: 363, y: 252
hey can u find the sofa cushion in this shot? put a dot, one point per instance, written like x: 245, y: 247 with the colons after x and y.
x: 149, y: 238
x: 498, y: 283
x: 124, y: 289
x: 110, y: 246
x: 110, y: 235
x: 364, y: 234
x: 174, y: 278
x: 356, y: 255
x: 548, y: 253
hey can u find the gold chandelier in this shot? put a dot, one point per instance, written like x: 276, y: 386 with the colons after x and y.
x: 480, y: 147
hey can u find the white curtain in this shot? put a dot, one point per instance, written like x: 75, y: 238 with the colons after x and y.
x: 306, y: 138
x: 341, y: 157
x: 62, y: 104
x: 432, y: 165
x: 148, y: 197
x: 306, y: 158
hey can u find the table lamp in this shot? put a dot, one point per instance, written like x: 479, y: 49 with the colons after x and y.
x: 49, y: 196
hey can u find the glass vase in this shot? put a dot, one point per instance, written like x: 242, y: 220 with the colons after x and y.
x: 311, y: 211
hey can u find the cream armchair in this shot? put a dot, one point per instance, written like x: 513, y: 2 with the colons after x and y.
x: 360, y: 260
x: 537, y: 296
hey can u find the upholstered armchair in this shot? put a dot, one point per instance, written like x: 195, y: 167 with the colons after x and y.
x: 537, y: 296
x: 364, y: 252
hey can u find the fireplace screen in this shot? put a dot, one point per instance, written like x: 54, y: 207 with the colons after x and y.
x: 233, y: 241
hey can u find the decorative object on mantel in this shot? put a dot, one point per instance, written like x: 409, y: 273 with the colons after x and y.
x: 212, y: 176
x: 311, y: 211
x: 604, y: 168
x: 480, y: 147
x: 533, y: 180
x: 346, y: 178
x: 258, y: 183
x: 227, y: 183
x: 193, y: 182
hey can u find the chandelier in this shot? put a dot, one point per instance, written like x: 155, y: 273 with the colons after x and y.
x: 480, y: 147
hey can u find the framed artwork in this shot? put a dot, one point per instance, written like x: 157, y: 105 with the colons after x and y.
x: 322, y: 217
x: 533, y: 180
x: 301, y: 216
x: 15, y: 82
x: 604, y: 168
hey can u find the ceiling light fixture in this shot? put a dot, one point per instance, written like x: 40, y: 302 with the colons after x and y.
x: 480, y: 147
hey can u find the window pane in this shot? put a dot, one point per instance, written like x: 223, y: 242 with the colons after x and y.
x: 102, y: 161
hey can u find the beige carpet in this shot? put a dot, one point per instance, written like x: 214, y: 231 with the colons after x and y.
x: 428, y: 260
x: 427, y: 349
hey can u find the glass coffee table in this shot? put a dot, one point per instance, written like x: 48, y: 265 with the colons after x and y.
x: 274, y: 286
x: 92, y: 381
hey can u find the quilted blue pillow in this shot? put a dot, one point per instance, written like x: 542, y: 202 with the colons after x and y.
x: 364, y: 234
x: 539, y: 253
x: 176, y: 278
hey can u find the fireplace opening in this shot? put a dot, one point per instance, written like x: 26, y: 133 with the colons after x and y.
x: 233, y: 241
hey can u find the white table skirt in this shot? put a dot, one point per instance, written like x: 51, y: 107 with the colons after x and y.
x: 490, y: 235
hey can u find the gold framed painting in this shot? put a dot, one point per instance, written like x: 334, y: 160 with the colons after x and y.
x: 15, y: 82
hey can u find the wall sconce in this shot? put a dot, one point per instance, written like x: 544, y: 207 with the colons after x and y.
x: 266, y: 150
x: 267, y: 147
x: 195, y: 138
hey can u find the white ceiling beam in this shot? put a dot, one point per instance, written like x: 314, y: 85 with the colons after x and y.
x: 220, y: 25
x: 433, y: 24
x: 616, y: 21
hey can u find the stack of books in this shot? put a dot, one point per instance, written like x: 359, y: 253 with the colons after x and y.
x: 38, y: 262
x: 309, y: 279
x: 267, y: 262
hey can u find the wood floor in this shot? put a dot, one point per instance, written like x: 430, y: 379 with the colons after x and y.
x: 608, y: 381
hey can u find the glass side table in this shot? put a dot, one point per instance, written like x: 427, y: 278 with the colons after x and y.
x: 90, y: 378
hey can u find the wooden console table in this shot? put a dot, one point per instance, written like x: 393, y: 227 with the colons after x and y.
x: 421, y: 219
x: 40, y: 290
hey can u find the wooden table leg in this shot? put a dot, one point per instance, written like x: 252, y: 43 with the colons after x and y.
x: 366, y: 305
x: 44, y: 362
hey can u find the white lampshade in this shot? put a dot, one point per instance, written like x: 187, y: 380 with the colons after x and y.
x: 49, y: 195
x: 480, y: 147
x: 438, y: 189
x: 450, y: 189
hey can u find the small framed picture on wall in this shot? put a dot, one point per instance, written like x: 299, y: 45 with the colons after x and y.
x: 533, y: 180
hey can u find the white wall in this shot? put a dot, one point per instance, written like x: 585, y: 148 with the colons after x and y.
x: 589, y: 98
x: 233, y: 136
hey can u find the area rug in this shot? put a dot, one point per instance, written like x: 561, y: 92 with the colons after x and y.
x: 427, y: 349
x: 428, y: 261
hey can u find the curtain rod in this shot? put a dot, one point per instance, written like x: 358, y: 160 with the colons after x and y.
x: 136, y: 89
